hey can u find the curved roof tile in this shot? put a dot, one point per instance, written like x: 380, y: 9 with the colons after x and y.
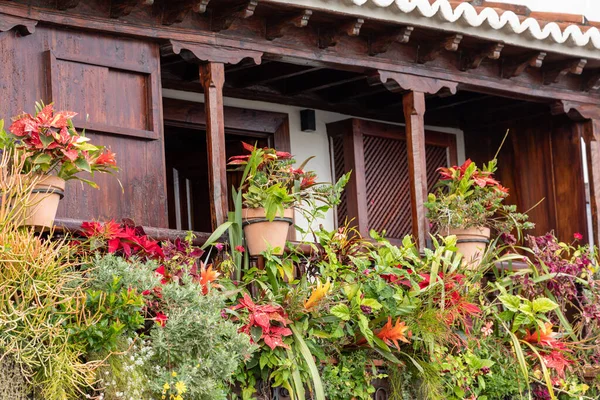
x: 465, y: 13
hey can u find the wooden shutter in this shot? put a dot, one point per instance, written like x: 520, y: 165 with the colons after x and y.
x: 114, y: 85
x: 383, y: 165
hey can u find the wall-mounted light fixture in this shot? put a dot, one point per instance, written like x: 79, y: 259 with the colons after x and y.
x: 308, y: 121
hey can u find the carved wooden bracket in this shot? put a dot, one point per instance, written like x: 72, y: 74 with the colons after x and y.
x: 474, y: 60
x: 176, y: 10
x: 25, y: 26
x: 575, y: 110
x: 200, y: 6
x: 277, y: 28
x: 331, y: 37
x: 398, y: 82
x: 223, y: 18
x: 382, y: 43
x: 517, y: 66
x: 199, y: 53
x: 555, y: 72
x: 431, y: 52
x: 592, y: 82
x: 66, y: 4
x: 121, y: 8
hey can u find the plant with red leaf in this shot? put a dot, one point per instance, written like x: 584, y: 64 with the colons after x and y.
x: 468, y: 196
x: 267, y: 322
x: 274, y: 184
x: 123, y: 239
x: 53, y: 146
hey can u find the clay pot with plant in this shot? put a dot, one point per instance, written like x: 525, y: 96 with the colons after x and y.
x: 272, y: 188
x: 53, y: 152
x: 468, y: 202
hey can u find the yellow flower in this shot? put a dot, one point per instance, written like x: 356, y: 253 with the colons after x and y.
x: 317, y: 294
x: 180, y: 387
x: 173, y: 373
x: 166, y: 386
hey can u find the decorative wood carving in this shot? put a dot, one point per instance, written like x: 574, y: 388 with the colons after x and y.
x: 331, y: 37
x: 223, y: 18
x: 176, y: 10
x: 212, y: 76
x: 120, y: 8
x: 592, y: 82
x: 555, y: 72
x: 575, y: 110
x: 200, y: 6
x: 431, y: 52
x: 196, y: 52
x: 517, y: 66
x: 66, y: 4
x: 277, y: 28
x: 474, y: 60
x: 414, y: 113
x: 398, y: 82
x: 25, y: 26
x: 382, y: 43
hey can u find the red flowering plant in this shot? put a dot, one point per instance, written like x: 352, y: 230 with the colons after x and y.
x: 51, y: 145
x: 468, y: 196
x: 273, y: 183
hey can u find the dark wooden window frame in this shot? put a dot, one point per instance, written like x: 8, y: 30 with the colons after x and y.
x: 258, y: 123
x: 353, y: 130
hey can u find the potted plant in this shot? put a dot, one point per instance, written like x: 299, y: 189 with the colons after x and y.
x: 468, y: 203
x: 53, y: 153
x: 271, y: 189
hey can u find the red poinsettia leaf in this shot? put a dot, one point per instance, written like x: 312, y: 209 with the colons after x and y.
x: 113, y: 245
x: 274, y: 340
x: 280, y: 330
x: 557, y: 361
x: 261, y: 319
x: 248, y: 147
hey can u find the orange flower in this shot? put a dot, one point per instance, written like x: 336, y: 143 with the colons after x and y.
x: 391, y: 334
x: 207, y: 275
x: 317, y: 294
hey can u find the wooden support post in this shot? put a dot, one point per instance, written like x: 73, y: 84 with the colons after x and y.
x: 354, y: 160
x: 592, y: 144
x: 414, y: 112
x: 212, y: 76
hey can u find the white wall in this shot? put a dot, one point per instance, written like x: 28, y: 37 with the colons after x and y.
x: 305, y: 144
x: 589, y: 8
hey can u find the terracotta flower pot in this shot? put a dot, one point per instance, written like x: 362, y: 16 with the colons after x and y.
x: 42, y: 204
x: 471, y: 244
x: 261, y: 233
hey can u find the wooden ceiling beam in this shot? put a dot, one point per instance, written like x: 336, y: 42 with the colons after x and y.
x: 66, y: 4
x: 223, y: 18
x: 330, y: 37
x: 321, y: 81
x: 278, y: 27
x: 555, y: 72
x: 516, y: 66
x: 121, y: 8
x: 473, y: 60
x: 267, y: 74
x: 382, y: 43
x: 430, y: 52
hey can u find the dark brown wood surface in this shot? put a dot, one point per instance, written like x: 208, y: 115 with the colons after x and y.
x: 414, y: 113
x: 591, y: 133
x: 114, y: 85
x: 212, y: 76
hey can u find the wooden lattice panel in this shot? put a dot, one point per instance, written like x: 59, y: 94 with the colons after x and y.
x: 337, y: 145
x: 388, y: 190
x: 387, y: 180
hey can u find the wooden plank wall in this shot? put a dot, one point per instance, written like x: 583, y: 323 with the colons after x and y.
x: 114, y: 85
x: 541, y: 159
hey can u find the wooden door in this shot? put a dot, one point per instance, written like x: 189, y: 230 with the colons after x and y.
x: 114, y: 85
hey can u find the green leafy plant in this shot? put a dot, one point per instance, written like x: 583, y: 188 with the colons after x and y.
x: 468, y: 196
x: 51, y: 145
